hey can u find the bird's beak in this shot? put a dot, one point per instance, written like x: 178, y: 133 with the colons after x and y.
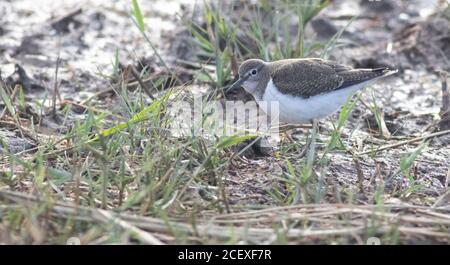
x: 235, y: 85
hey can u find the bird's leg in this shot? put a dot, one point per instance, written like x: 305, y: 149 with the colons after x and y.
x: 288, y: 136
x: 284, y: 133
x: 310, y: 139
x: 291, y: 127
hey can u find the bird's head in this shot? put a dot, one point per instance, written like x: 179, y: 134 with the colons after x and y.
x: 251, y: 73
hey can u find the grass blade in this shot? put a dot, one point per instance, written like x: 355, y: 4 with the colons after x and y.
x: 137, y: 15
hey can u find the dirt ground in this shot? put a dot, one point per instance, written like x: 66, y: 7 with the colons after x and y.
x: 86, y: 36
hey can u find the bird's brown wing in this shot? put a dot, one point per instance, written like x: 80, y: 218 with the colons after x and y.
x: 310, y: 77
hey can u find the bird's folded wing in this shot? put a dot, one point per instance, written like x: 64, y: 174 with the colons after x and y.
x: 310, y: 77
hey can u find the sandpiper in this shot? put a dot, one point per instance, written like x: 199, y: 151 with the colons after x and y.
x: 306, y: 89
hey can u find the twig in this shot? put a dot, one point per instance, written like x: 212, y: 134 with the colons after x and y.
x: 322, y: 207
x: 444, y: 113
x: 55, y: 85
x: 444, y: 198
x: 135, y: 74
x: 97, y: 95
x: 128, y: 85
x: 24, y: 131
x: 417, y: 139
x: 359, y: 173
x: 142, y: 235
x: 79, y: 105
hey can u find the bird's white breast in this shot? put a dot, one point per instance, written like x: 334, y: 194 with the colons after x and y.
x: 294, y: 109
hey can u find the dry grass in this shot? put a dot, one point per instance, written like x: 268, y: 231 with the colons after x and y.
x: 303, y: 224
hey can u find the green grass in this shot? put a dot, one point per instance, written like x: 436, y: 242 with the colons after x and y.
x: 221, y: 41
x: 406, y: 164
x: 138, y: 20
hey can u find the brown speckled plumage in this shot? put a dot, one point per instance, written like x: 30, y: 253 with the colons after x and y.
x: 305, y: 77
x: 310, y: 77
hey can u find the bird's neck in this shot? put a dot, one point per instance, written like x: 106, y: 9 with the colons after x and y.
x: 261, y: 89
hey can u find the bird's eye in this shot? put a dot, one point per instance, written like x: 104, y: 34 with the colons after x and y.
x: 254, y: 72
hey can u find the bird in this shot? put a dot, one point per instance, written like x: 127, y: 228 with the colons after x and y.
x: 306, y: 89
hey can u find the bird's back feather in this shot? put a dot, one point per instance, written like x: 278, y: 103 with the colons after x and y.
x: 311, y: 77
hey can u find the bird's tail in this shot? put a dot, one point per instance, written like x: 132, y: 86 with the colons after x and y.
x: 385, y: 71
